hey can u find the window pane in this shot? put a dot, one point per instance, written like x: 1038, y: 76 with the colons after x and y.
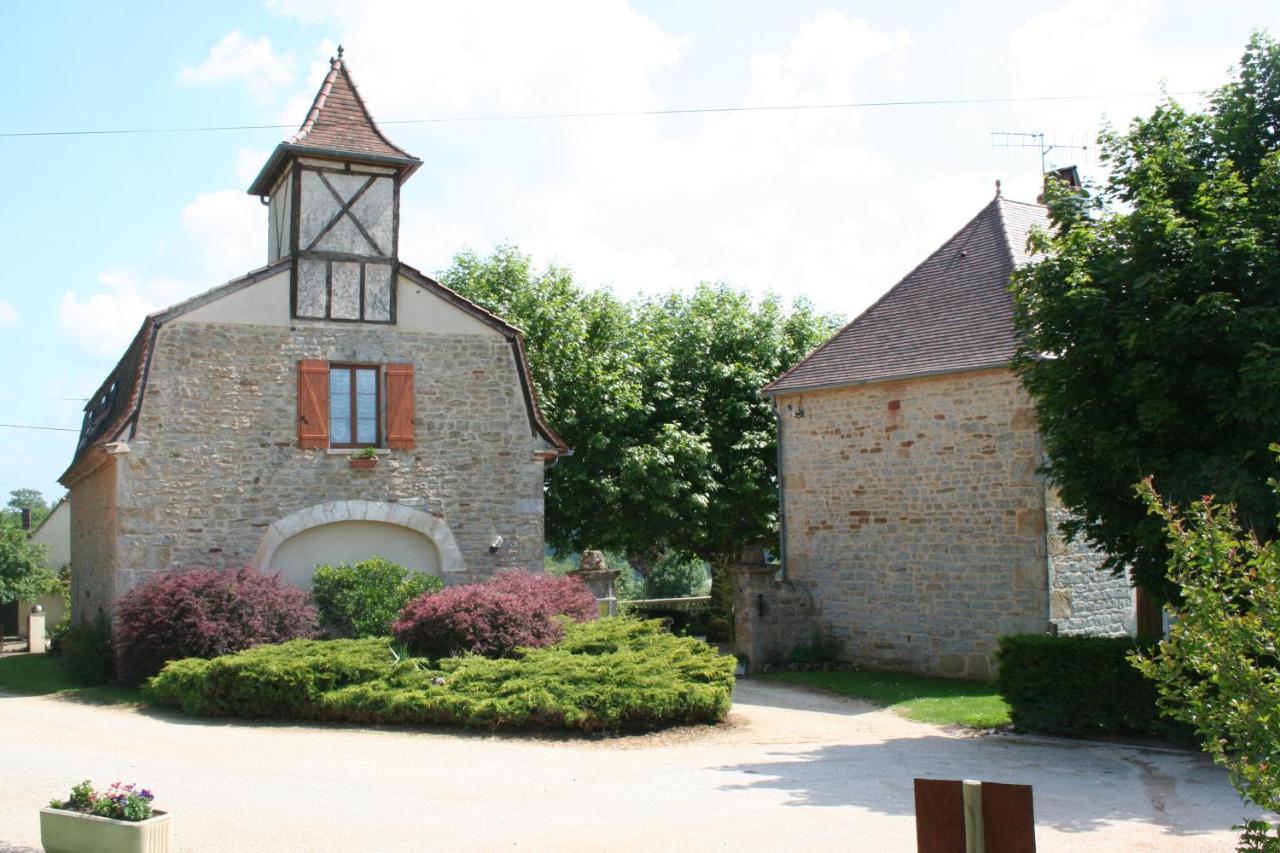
x: 340, y: 406
x: 366, y: 406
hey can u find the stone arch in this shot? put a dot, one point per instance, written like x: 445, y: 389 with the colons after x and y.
x: 331, y: 512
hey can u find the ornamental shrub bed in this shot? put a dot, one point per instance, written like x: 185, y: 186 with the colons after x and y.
x: 205, y: 613
x: 509, y: 611
x: 363, y: 599
x: 609, y: 675
x: 1080, y: 687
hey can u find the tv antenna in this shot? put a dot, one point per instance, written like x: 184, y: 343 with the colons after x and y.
x: 1027, y: 139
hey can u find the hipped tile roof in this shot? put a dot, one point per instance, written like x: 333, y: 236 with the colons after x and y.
x: 953, y: 312
x: 338, y: 119
x: 337, y: 125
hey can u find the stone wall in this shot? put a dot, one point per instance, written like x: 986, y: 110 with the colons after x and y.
x: 915, y: 515
x: 1083, y: 599
x: 94, y: 542
x: 215, y: 459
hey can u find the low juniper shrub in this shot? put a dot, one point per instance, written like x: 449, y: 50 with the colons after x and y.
x: 205, y: 613
x: 363, y: 599
x: 606, y: 675
x: 511, y: 610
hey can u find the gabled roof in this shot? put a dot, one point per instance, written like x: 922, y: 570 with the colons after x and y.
x: 338, y: 124
x: 115, y: 406
x: 953, y: 312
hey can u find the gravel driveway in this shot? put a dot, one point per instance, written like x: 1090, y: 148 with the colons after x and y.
x: 791, y: 770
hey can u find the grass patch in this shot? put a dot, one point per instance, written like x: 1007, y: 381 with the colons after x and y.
x: 42, y: 675
x: 940, y: 701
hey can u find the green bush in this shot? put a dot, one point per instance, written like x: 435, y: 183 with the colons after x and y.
x: 86, y: 652
x: 606, y: 675
x: 1079, y: 686
x: 362, y: 600
x: 818, y: 654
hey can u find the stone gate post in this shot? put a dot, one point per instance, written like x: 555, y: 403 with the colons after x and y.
x: 599, y: 578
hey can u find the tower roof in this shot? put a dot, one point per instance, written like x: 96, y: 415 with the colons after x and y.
x: 337, y: 125
x: 953, y: 312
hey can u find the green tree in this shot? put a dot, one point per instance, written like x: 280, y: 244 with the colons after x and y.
x: 20, y: 499
x: 23, y: 576
x: 581, y: 354
x: 677, y: 578
x: 1218, y: 671
x: 674, y: 449
x: 707, y: 354
x: 1151, y: 328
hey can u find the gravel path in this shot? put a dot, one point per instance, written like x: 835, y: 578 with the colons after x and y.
x: 790, y: 770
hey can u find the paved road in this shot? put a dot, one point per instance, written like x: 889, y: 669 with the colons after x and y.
x: 793, y: 770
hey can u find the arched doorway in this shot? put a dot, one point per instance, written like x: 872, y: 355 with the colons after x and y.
x: 349, y: 531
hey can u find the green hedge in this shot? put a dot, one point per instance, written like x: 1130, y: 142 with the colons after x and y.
x: 606, y: 675
x: 1079, y: 686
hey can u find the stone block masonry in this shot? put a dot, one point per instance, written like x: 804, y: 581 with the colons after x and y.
x: 1085, y: 600
x: 915, y: 515
x: 215, y: 458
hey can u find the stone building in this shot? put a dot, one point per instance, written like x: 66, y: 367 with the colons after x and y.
x: 913, y: 512
x: 223, y: 437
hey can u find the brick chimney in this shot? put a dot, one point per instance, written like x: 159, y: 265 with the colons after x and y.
x: 1068, y: 175
x: 26, y: 518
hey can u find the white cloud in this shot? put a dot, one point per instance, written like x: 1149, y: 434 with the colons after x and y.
x: 427, y: 58
x: 226, y: 231
x: 103, y: 323
x: 237, y: 58
x: 1105, y: 47
x: 764, y: 200
x: 8, y: 314
x: 223, y: 236
x: 249, y: 162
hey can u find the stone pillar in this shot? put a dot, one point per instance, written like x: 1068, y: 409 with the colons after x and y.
x: 35, y: 630
x: 599, y: 578
x: 771, y: 618
x: 752, y: 598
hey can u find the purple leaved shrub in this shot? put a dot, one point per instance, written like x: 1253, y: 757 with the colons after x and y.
x: 205, y: 613
x: 494, y: 618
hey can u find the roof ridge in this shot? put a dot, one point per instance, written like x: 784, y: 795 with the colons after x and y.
x: 995, y: 201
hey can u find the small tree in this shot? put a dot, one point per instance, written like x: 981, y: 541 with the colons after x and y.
x: 362, y: 600
x: 1219, y: 670
x: 23, y: 576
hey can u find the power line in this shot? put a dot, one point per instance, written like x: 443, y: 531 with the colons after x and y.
x: 930, y: 102
x: 28, y: 426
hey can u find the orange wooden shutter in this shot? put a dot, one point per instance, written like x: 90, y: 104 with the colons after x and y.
x: 313, y: 403
x: 400, y: 406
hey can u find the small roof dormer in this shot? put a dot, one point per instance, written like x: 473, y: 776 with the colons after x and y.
x: 333, y: 189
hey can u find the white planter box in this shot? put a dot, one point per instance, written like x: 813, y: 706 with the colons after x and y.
x: 72, y: 832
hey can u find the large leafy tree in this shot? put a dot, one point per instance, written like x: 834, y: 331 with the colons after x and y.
x: 581, y: 348
x: 1151, y: 329
x: 674, y: 449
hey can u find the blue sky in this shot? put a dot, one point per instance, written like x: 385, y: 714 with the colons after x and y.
x: 833, y: 205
